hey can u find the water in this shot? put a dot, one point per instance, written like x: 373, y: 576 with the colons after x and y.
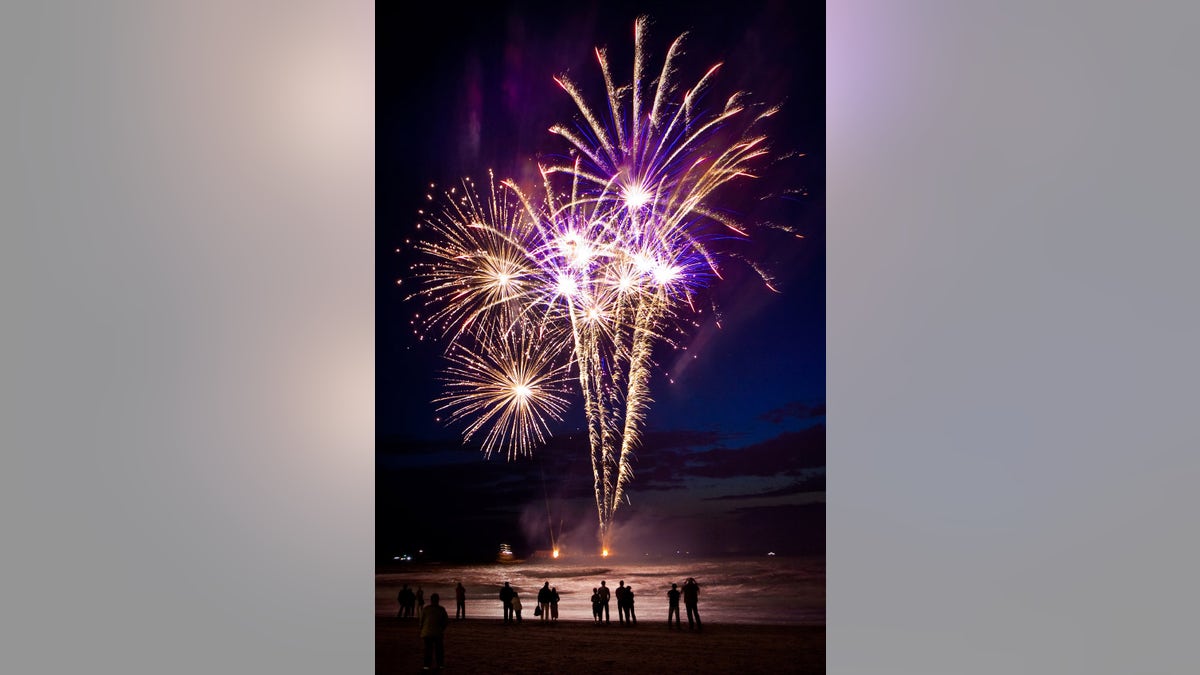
x: 763, y: 590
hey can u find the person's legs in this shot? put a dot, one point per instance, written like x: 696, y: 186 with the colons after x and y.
x: 439, y: 651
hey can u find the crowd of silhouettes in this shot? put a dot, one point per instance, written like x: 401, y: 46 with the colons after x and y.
x: 547, y: 604
x: 412, y: 603
x: 433, y: 618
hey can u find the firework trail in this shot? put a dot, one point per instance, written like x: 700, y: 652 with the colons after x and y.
x: 592, y: 271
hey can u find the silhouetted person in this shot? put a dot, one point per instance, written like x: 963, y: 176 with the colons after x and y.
x: 673, y: 605
x: 433, y: 627
x: 516, y: 606
x: 406, y: 599
x: 691, y: 595
x: 506, y: 598
x: 420, y: 600
x: 622, y: 602
x: 554, y: 603
x: 544, y: 601
x: 596, y: 612
x: 604, y: 595
x: 632, y: 618
x: 460, y: 602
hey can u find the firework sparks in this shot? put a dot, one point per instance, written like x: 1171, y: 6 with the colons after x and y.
x: 589, y: 276
x: 509, y: 388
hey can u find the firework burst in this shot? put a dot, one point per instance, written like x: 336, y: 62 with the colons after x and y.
x: 583, y: 278
x: 507, y: 388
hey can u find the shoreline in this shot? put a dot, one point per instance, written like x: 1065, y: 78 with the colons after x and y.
x: 487, y: 645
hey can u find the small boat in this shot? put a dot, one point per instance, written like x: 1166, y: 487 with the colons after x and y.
x: 506, y: 555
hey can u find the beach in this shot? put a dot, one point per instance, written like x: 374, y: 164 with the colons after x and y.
x: 487, y: 645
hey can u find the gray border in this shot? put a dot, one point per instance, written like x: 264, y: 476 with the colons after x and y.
x: 186, y: 271
x: 1012, y: 335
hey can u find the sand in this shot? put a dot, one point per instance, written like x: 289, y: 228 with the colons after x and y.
x: 487, y: 645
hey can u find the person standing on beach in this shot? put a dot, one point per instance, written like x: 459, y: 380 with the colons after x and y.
x: 604, y: 601
x: 554, y: 603
x: 506, y: 598
x: 629, y: 605
x: 406, y: 600
x: 625, y: 604
x: 673, y: 605
x: 544, y: 601
x: 691, y: 595
x: 433, y: 627
x: 596, y: 605
x: 420, y: 600
x: 516, y: 606
x: 460, y: 602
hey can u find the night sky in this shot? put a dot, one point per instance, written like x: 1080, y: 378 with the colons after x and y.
x: 733, y: 458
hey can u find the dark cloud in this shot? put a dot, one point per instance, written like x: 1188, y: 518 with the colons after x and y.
x: 807, y: 485
x: 794, y: 410
x: 790, y: 453
x: 682, y: 439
